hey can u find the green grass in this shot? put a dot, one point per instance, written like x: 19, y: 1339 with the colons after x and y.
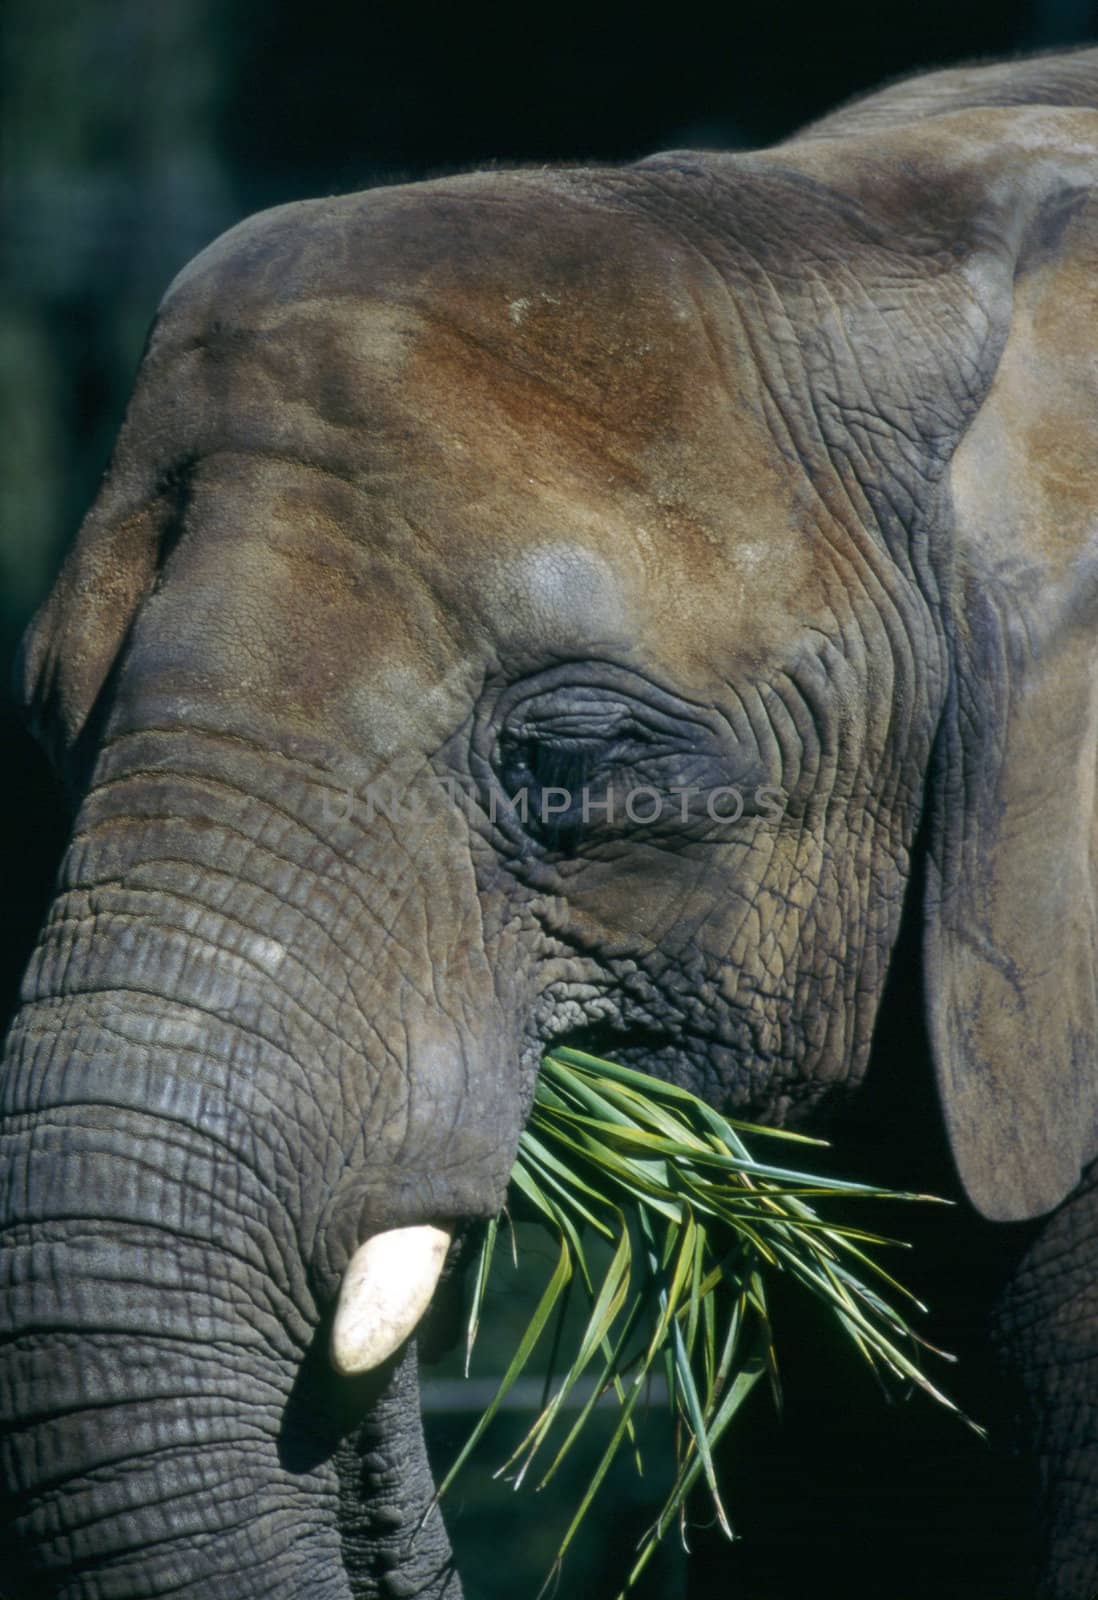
x: 688, y: 1226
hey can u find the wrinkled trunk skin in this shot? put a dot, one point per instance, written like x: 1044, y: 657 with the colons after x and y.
x: 149, y: 1355
x: 183, y: 1172
x: 385, y: 1488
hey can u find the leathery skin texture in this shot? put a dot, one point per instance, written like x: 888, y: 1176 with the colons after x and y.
x: 760, y: 488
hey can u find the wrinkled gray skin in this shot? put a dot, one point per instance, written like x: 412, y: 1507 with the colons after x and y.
x: 771, y: 468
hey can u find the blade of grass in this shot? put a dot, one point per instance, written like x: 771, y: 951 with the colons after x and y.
x: 553, y: 1289
x: 484, y: 1266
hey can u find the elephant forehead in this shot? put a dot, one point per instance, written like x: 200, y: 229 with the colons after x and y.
x: 551, y: 421
x: 459, y: 327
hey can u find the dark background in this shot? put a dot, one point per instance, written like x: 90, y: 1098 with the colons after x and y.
x: 134, y: 131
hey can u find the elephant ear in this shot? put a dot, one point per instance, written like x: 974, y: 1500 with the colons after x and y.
x: 72, y: 643
x: 1011, y: 947
x: 1011, y: 912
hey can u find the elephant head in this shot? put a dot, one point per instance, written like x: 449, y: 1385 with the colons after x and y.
x: 530, y: 604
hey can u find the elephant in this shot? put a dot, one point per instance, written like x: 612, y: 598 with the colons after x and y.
x: 766, y: 474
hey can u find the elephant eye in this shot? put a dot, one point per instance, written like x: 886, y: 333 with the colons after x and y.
x: 558, y: 764
x: 554, y: 775
x: 568, y: 763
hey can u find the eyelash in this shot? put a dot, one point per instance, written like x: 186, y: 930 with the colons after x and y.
x: 562, y: 764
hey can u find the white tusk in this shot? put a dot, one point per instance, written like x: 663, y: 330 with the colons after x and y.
x: 386, y: 1288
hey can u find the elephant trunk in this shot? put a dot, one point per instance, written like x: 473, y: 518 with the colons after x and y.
x: 150, y: 1341
x: 191, y: 1153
